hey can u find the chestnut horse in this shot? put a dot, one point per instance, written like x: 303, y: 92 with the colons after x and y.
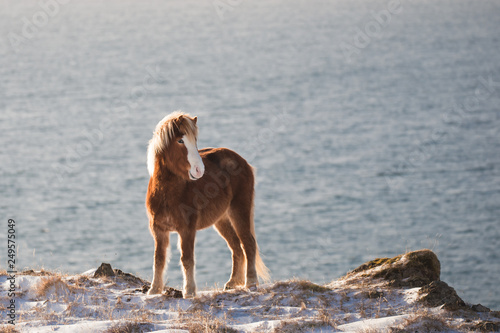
x: 191, y: 189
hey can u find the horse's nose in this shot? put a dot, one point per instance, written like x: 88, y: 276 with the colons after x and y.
x: 198, y: 171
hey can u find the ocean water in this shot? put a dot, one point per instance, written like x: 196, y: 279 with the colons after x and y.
x: 374, y: 127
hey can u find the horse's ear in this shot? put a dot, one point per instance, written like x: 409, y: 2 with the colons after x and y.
x: 195, y: 119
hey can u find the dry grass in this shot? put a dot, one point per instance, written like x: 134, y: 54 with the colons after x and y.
x: 72, y: 309
x: 203, y: 322
x: 42, y: 314
x: 142, y: 316
x: 8, y: 329
x: 291, y: 326
x: 130, y: 327
x: 53, y: 286
x: 298, y: 284
x: 83, y: 281
x: 423, y: 321
x: 326, y: 317
x: 41, y: 272
x: 215, y: 299
x: 4, y: 301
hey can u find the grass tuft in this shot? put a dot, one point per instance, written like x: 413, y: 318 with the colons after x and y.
x: 53, y: 286
x: 200, y: 321
x: 8, y: 329
x: 297, y: 284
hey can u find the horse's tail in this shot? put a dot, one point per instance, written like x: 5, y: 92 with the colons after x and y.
x: 262, y: 271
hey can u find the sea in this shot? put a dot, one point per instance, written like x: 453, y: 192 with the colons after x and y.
x: 374, y: 127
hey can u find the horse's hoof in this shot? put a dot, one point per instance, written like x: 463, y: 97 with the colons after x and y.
x: 252, y: 287
x: 230, y: 286
x: 189, y: 292
x: 154, y: 291
x: 233, y: 284
x: 252, y: 284
x: 189, y: 295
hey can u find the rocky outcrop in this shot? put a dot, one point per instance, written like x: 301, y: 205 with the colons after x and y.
x: 413, y: 269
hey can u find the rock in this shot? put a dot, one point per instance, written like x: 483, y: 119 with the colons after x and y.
x: 145, y: 288
x: 104, y: 270
x: 130, y: 278
x: 439, y: 293
x: 479, y: 308
x: 174, y: 293
x: 413, y: 269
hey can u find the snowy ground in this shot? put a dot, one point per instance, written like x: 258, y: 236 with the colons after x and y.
x: 49, y: 302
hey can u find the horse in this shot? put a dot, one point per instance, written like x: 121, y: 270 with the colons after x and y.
x: 190, y: 190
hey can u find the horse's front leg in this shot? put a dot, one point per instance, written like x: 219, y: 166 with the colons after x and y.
x: 187, y: 259
x: 162, y: 239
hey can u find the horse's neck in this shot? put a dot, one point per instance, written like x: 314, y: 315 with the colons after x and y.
x: 170, y: 182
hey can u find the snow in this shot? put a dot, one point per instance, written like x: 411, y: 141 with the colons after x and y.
x: 82, y: 303
x: 379, y: 323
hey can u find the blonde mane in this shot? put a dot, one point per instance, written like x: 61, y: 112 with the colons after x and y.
x: 165, y: 132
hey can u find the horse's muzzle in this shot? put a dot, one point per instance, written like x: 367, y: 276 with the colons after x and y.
x: 196, y: 172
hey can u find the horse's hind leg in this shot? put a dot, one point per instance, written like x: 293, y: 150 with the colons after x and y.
x: 161, y: 244
x: 186, y: 239
x: 242, y: 221
x: 226, y: 230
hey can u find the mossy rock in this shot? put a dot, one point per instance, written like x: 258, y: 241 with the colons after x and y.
x: 375, y: 263
x: 413, y: 269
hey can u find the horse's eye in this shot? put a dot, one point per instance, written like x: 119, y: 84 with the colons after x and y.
x: 181, y: 141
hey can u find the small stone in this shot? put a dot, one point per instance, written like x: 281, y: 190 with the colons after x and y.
x: 145, y: 288
x: 480, y: 308
x: 104, y: 270
x: 172, y: 292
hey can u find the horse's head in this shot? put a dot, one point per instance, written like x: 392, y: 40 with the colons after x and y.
x: 174, y: 145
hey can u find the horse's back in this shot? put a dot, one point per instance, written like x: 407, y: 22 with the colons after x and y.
x: 231, y: 163
x: 225, y: 158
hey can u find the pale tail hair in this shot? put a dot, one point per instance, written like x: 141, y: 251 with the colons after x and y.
x: 262, y: 271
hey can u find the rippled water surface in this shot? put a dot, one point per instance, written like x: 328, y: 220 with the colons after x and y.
x: 374, y: 133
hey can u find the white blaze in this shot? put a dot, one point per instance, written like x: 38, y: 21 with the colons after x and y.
x: 194, y: 158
